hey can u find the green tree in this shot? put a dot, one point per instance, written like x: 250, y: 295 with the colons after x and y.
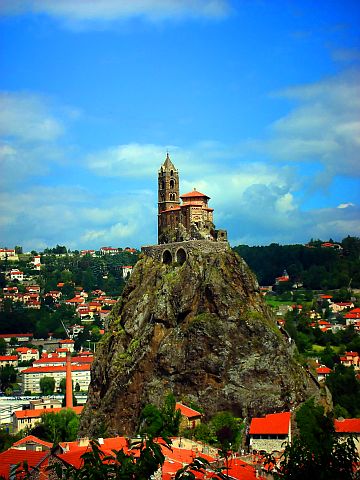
x: 58, y: 427
x: 3, y: 346
x: 317, y: 452
x: 7, y: 377
x: 345, y: 389
x: 47, y: 385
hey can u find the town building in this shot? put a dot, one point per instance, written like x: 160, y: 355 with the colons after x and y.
x: 31, y: 376
x: 30, y: 417
x: 11, y: 360
x: 25, y: 354
x: 183, y: 217
x: 269, y: 433
x: 16, y: 274
x: 190, y: 418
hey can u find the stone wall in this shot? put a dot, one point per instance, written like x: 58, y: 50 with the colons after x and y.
x: 267, y: 444
x: 173, y: 252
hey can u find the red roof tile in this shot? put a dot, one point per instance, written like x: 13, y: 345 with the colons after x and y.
x: 192, y: 194
x: 274, y: 423
x: 187, y: 411
x: 35, y: 413
x: 348, y: 425
x: 13, y: 456
x: 32, y: 439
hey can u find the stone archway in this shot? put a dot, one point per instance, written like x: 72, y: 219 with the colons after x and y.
x: 167, y: 257
x: 181, y: 256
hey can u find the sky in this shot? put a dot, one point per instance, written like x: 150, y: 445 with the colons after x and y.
x: 257, y: 103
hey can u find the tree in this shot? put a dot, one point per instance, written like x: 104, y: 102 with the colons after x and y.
x: 345, y: 389
x: 58, y: 427
x: 3, y: 346
x: 18, y: 249
x: 7, y: 377
x: 47, y: 385
x: 317, y: 452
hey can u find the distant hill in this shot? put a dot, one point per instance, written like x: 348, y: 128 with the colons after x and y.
x: 314, y: 265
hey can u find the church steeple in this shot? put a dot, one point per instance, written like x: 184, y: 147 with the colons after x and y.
x: 168, y: 188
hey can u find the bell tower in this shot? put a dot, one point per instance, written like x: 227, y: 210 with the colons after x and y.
x: 168, y: 190
x: 168, y: 186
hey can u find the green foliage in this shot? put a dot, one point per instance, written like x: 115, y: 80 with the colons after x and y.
x: 3, y: 346
x: 317, y: 453
x: 6, y: 439
x: 345, y: 389
x: 334, y: 461
x: 316, y: 268
x: 315, y: 428
x: 58, y: 427
x: 47, y: 385
x: 161, y: 422
x: 7, y: 377
x: 223, y: 430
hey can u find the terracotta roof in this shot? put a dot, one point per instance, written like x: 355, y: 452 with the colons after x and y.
x: 13, y: 456
x: 8, y: 358
x: 35, y: 413
x: 193, y: 194
x: 16, y: 335
x: 274, y: 423
x: 187, y: 411
x: 348, y: 425
x: 323, y: 370
x: 56, y: 368
x: 32, y: 439
x: 67, y: 340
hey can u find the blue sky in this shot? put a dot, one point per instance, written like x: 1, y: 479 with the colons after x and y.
x: 257, y: 102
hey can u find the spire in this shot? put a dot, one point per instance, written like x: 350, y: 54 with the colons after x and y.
x: 168, y: 163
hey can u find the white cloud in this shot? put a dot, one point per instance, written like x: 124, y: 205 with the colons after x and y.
x: 67, y: 215
x: 27, y: 117
x: 324, y: 127
x: 86, y: 12
x: 346, y: 205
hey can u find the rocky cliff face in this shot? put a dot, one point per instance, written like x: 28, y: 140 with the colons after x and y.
x: 200, y: 330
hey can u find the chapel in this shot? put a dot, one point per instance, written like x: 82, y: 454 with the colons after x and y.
x: 183, y: 217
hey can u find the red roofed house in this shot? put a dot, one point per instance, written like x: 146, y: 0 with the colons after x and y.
x: 67, y: 343
x: 30, y: 417
x: 349, y: 426
x: 322, y: 372
x: 270, y: 432
x: 26, y: 354
x: 190, y: 418
x: 35, y: 460
x: 11, y: 360
x: 31, y: 376
x: 16, y: 274
x: 351, y: 359
x: 32, y: 443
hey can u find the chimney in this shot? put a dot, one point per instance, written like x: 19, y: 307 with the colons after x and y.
x: 69, y: 392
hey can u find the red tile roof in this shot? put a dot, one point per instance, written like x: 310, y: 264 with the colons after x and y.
x: 35, y: 413
x: 192, y: 194
x: 13, y: 456
x: 187, y: 411
x: 32, y: 439
x: 323, y: 370
x: 8, y: 358
x: 56, y: 368
x: 348, y: 425
x: 274, y: 423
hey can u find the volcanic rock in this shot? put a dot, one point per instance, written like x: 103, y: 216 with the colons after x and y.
x: 199, y: 329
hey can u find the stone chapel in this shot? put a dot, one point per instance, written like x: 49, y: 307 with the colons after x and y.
x: 183, y: 217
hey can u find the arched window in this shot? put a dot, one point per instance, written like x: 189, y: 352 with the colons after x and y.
x: 172, y: 183
x: 167, y: 257
x: 180, y: 256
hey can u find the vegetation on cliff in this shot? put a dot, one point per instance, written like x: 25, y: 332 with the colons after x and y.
x: 200, y: 330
